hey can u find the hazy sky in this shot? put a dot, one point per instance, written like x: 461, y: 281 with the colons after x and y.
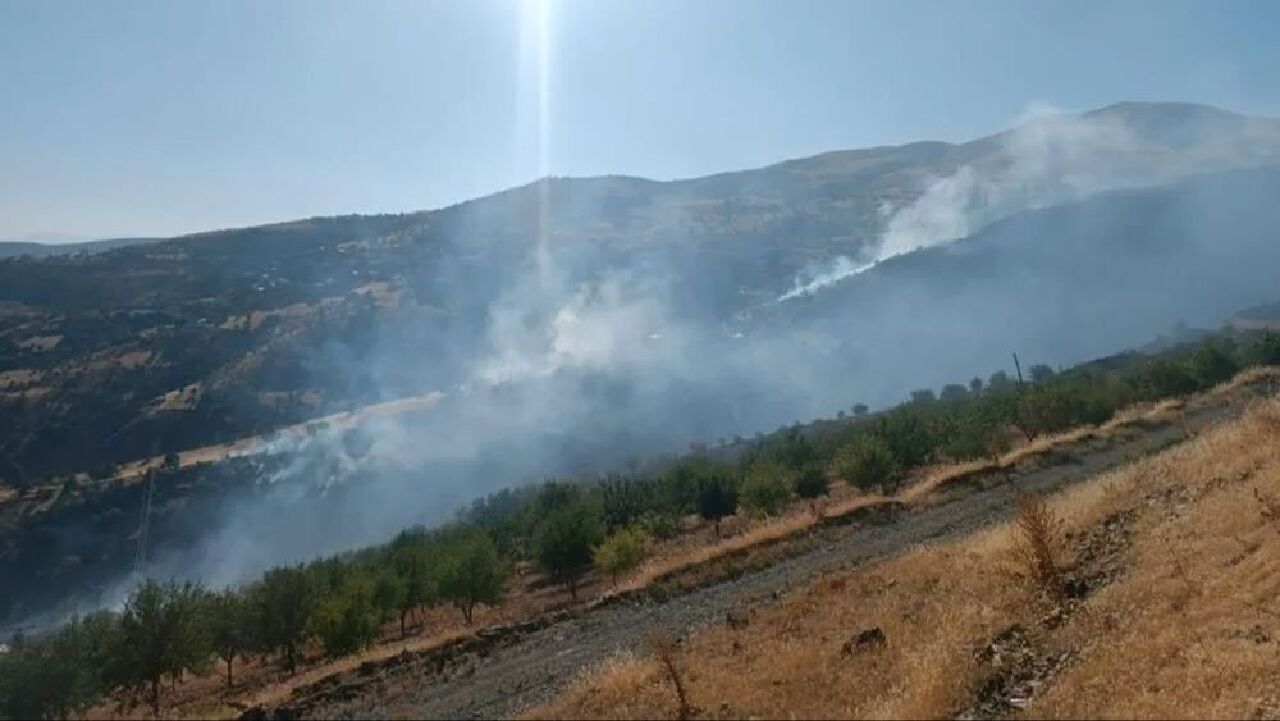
x: 157, y: 118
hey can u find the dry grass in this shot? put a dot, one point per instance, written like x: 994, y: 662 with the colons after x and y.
x: 664, y: 653
x: 1188, y: 626
x: 1040, y: 536
x: 678, y: 556
x: 914, y: 604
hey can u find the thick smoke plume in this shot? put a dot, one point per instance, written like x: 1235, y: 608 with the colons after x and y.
x: 1049, y: 157
x: 564, y: 357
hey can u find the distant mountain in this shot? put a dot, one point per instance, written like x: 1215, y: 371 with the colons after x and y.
x: 44, y: 249
x: 1061, y: 284
x: 571, y: 324
x: 208, y: 337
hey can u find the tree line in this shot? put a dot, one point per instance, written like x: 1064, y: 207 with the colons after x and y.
x: 567, y: 529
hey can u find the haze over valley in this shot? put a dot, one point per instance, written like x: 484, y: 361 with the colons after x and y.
x: 576, y: 326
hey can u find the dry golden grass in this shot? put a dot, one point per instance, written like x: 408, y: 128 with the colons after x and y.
x: 681, y: 557
x: 914, y: 684
x: 1189, y: 627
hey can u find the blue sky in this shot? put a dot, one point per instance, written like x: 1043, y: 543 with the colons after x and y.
x: 171, y: 116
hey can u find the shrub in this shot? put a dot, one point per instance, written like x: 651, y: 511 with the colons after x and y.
x: 865, y: 463
x: 661, y: 525
x: 811, y: 482
x: 472, y: 573
x: 565, y: 542
x: 348, y: 621
x: 621, y: 552
x: 1212, y: 363
x: 1041, y: 535
x: 767, y: 488
x: 421, y: 586
x: 388, y: 590
x: 907, y: 433
x: 283, y: 602
x: 229, y: 627
x: 1263, y: 350
x: 717, y: 498
x: 1040, y: 373
x: 162, y: 633
x: 624, y: 499
x: 62, y: 673
x: 1161, y: 378
x: 974, y: 437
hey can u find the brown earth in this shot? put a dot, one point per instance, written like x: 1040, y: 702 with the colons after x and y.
x: 508, y: 670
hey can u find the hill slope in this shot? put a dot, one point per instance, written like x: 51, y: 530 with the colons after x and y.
x: 216, y: 336
x: 1171, y: 566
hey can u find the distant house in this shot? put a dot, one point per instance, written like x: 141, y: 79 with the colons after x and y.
x: 1260, y: 317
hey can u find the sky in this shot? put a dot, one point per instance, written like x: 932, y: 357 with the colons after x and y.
x: 156, y: 118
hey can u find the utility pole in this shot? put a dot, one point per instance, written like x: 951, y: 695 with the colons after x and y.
x: 1018, y: 367
x: 140, y: 560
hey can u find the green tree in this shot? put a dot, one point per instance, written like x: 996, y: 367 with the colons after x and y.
x: 388, y: 592
x: 973, y: 435
x: 859, y: 409
x: 162, y: 633
x: 420, y: 584
x: 767, y: 487
x: 811, y: 483
x: 61, y: 673
x: 1212, y: 363
x: 717, y: 498
x: 230, y: 627
x: 621, y: 552
x: 472, y: 573
x: 347, y: 621
x: 624, y: 499
x: 1263, y: 349
x: 1040, y: 373
x: 565, y: 542
x: 907, y: 433
x: 865, y: 462
x: 999, y: 381
x: 1161, y: 378
x: 283, y: 603
x: 1053, y: 407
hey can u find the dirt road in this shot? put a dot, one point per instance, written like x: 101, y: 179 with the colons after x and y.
x: 509, y: 674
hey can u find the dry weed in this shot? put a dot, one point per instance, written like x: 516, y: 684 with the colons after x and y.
x: 1142, y: 645
x: 665, y: 653
x: 1040, y: 545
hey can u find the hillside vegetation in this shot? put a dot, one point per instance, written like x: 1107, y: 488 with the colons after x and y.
x: 1149, y: 592
x: 190, y: 341
x: 340, y: 606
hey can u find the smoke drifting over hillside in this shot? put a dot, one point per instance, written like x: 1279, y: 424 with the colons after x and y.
x: 570, y: 358
x: 1049, y: 157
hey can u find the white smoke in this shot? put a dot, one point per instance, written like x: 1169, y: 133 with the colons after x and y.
x: 1048, y: 158
x: 842, y: 267
x: 597, y: 325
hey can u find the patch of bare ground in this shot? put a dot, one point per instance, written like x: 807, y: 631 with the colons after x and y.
x: 1169, y: 570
